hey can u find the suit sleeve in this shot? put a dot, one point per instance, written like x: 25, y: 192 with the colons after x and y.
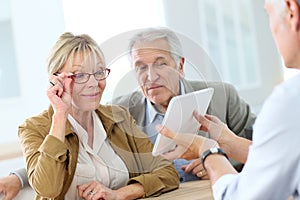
x: 239, y: 117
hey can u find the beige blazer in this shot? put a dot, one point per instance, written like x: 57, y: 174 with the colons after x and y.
x: 51, y: 163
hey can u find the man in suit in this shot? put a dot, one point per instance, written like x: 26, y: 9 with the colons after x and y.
x: 156, y: 55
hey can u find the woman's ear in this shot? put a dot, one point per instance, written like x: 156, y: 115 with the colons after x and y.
x: 293, y: 14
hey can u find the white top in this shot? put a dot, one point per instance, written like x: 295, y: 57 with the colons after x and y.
x: 100, y: 163
x: 272, y: 170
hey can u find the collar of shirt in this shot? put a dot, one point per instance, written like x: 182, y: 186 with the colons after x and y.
x: 99, y: 138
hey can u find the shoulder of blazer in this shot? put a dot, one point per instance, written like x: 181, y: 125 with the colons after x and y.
x: 129, y: 100
x: 219, y: 87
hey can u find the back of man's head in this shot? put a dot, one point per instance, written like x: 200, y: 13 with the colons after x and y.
x: 280, y: 5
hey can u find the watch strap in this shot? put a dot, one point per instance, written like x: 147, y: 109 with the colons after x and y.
x: 211, y: 151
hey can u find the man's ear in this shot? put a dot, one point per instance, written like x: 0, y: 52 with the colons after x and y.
x: 293, y: 14
x: 181, y: 64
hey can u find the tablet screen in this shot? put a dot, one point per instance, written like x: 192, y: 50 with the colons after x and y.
x: 179, y: 117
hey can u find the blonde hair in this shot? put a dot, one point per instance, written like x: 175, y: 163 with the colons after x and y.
x: 67, y: 46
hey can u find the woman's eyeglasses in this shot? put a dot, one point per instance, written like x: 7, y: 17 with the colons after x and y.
x: 84, y: 77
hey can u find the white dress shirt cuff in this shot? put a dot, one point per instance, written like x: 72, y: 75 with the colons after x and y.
x: 19, y: 177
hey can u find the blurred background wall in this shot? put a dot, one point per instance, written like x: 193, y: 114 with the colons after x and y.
x: 233, y: 35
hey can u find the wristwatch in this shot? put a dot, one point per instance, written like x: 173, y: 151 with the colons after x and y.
x: 210, y: 151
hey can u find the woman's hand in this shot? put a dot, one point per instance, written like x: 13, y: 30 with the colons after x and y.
x: 189, y: 146
x: 216, y: 129
x: 60, y: 92
x: 96, y: 191
x: 60, y: 96
x: 236, y: 147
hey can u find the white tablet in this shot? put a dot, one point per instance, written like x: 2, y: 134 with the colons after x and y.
x: 179, y: 117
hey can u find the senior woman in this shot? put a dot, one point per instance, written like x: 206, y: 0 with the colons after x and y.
x: 78, y: 148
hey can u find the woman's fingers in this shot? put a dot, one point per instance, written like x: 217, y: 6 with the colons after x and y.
x: 165, y: 131
x: 204, y: 122
x: 172, y: 155
x: 182, y: 139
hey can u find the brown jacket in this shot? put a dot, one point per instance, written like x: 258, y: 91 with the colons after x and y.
x: 51, y: 164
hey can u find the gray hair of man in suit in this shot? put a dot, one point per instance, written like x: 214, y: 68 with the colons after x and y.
x: 156, y: 33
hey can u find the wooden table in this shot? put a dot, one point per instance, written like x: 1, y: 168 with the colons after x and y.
x: 192, y: 190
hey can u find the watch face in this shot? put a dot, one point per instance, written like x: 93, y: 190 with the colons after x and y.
x: 214, y: 150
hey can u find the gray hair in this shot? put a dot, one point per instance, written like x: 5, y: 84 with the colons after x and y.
x: 152, y: 34
x: 67, y: 46
x: 279, y: 5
